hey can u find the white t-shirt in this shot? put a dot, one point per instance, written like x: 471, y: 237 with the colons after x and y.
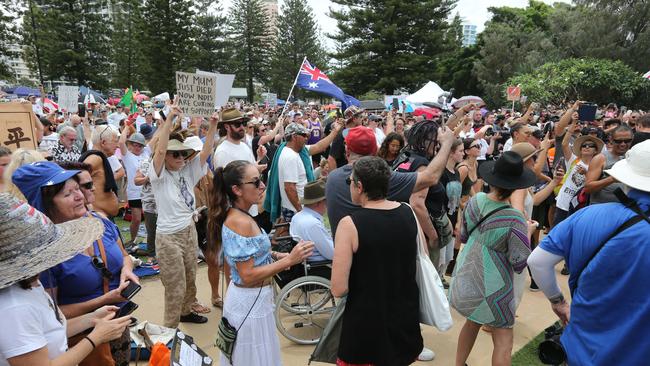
x: 227, y: 152
x: 174, y: 194
x: 292, y: 170
x: 115, y: 118
x: 29, y: 323
x: 38, y: 109
x: 379, y: 136
x: 115, y: 163
x: 131, y: 165
x: 484, y: 149
x: 571, y: 185
x: 50, y: 141
x: 508, y: 145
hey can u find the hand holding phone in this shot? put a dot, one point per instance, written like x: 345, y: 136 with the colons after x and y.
x: 130, y: 290
x: 126, y: 309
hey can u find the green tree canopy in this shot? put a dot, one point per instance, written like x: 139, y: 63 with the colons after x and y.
x: 593, y: 80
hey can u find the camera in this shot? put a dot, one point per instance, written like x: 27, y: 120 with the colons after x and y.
x: 551, y: 351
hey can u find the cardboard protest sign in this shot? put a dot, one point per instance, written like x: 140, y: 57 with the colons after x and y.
x: 270, y: 100
x: 68, y: 98
x: 17, y: 126
x: 514, y: 93
x: 224, y: 86
x: 196, y: 93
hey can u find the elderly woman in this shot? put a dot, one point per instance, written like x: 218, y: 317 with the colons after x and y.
x: 35, y: 330
x: 93, y: 278
x: 380, y: 327
x: 66, y: 150
x: 105, y: 142
x: 247, y: 249
x: 497, y: 245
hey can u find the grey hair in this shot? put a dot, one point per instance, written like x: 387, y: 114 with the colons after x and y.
x: 106, y: 132
x: 66, y: 130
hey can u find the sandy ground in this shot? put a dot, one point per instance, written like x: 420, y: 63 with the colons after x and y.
x: 534, y: 315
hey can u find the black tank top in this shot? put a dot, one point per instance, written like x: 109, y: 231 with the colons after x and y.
x: 381, y: 319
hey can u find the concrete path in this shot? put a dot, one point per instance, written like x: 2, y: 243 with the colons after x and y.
x: 534, y: 315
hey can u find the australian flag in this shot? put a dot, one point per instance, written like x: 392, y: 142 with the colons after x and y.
x: 312, y: 79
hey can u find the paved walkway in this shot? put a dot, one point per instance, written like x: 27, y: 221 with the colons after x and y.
x: 534, y: 315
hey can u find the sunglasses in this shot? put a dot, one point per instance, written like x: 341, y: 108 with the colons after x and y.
x: 256, y: 182
x: 625, y: 141
x: 87, y: 185
x: 178, y: 154
x: 475, y: 147
x: 593, y: 146
x: 237, y: 124
x: 100, y: 265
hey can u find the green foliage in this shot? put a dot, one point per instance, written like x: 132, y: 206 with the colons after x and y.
x: 297, y: 37
x: 167, y: 40
x: 593, y: 80
x: 128, y: 63
x: 72, y: 39
x: 211, y: 51
x: 247, y: 30
x: 385, y: 45
x: 8, y: 34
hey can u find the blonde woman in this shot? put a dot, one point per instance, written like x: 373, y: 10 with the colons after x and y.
x: 18, y: 158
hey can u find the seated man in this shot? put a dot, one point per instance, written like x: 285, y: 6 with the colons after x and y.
x: 308, y: 225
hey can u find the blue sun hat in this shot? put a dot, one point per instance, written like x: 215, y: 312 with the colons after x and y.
x: 32, y: 177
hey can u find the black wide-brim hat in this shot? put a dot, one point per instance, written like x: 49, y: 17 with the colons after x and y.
x: 508, y: 172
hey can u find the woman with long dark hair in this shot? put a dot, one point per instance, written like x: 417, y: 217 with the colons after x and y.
x: 390, y: 148
x: 248, y: 305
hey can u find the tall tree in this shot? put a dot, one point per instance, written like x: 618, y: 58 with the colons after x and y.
x: 212, y: 50
x: 297, y: 37
x: 72, y: 39
x: 248, y: 31
x: 128, y: 64
x: 168, y: 38
x: 8, y: 34
x: 390, y: 44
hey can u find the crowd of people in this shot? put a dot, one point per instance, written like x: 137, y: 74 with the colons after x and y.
x: 484, y: 188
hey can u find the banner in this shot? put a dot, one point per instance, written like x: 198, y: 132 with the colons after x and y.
x: 68, y: 98
x: 270, y: 100
x: 514, y: 93
x: 196, y: 93
x: 224, y: 86
x: 17, y: 126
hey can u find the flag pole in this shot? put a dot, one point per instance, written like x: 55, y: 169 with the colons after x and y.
x: 291, y: 91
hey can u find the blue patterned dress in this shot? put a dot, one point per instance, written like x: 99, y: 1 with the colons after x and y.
x: 481, y: 287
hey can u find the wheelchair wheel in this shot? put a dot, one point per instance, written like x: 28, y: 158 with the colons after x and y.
x: 303, y: 309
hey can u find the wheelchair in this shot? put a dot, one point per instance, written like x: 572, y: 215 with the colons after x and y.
x: 303, y: 301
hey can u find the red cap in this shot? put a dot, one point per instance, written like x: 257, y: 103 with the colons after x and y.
x: 361, y: 140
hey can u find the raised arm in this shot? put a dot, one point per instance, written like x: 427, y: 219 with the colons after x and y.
x: 208, y: 146
x: 431, y: 175
x: 566, y: 118
x: 163, y: 139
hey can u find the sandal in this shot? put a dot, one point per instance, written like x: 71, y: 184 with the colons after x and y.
x: 217, y: 302
x: 199, y: 308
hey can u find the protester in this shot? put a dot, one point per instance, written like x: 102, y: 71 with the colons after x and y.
x: 65, y: 149
x: 105, y: 141
x: 520, y: 132
x: 308, y: 225
x: 75, y: 122
x: 93, y: 278
x: 176, y: 170
x: 19, y: 158
x: 316, y: 132
x: 248, y: 304
x: 148, y: 204
x: 36, y: 331
x: 453, y: 189
x: 599, y: 186
x: 595, y: 243
x: 390, y: 148
x: 497, y: 244
x: 134, y: 151
x: 362, y: 271
x: 337, y: 159
x: 50, y: 137
x: 642, y: 131
x: 85, y: 181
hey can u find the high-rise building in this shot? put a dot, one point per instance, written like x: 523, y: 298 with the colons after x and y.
x: 469, y: 35
x: 17, y: 64
x: 271, y: 9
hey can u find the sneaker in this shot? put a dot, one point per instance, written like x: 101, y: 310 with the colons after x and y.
x: 533, y: 286
x: 193, y: 318
x: 565, y: 270
x: 426, y: 355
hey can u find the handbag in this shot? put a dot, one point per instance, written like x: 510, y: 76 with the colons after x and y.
x: 227, y: 334
x: 434, y: 306
x: 327, y: 349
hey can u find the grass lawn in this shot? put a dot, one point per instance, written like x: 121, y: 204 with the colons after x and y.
x: 527, y: 356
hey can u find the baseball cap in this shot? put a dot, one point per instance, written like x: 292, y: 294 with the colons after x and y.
x: 361, y: 140
x: 295, y: 129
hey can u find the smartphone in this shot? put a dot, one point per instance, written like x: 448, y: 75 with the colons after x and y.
x: 130, y: 290
x: 395, y: 103
x: 81, y: 110
x: 587, y: 112
x: 126, y: 309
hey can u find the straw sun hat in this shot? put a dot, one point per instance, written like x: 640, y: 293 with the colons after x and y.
x: 30, y: 243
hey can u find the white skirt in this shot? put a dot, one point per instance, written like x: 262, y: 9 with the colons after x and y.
x: 257, y: 341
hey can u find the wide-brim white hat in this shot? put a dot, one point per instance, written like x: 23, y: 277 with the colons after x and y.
x: 634, y: 170
x: 30, y: 243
